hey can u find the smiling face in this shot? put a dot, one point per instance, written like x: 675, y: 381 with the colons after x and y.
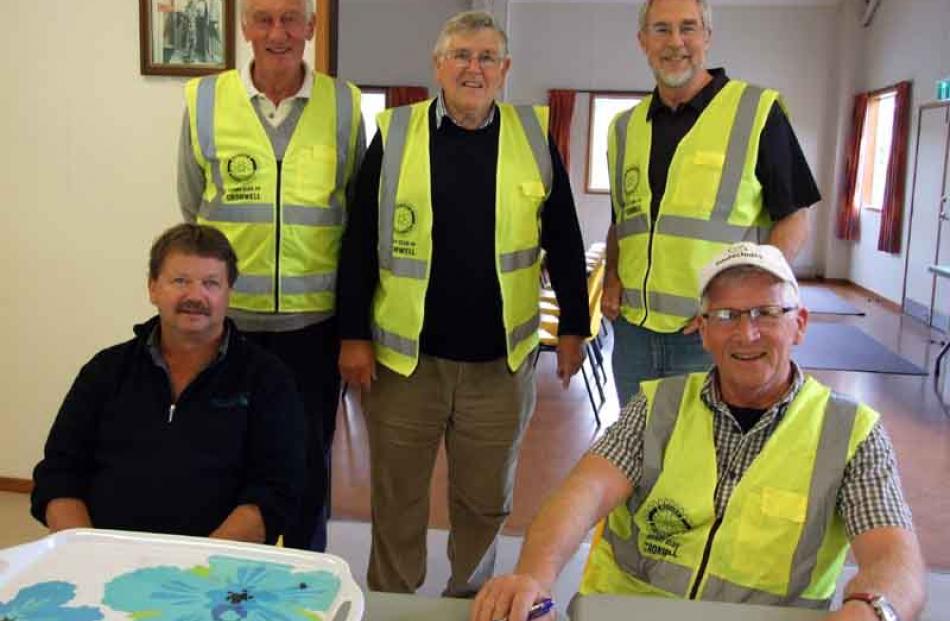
x: 191, y: 294
x: 752, y: 358
x: 278, y: 31
x: 470, y: 87
x: 675, y: 40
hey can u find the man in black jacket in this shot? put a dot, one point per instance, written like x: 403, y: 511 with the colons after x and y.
x: 187, y: 428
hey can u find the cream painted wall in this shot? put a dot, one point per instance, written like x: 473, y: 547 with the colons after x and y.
x: 88, y: 181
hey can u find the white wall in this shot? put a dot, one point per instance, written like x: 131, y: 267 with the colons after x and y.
x: 592, y: 46
x: 908, y: 40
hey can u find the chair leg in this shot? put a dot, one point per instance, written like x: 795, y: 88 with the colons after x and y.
x: 592, y: 356
x: 590, y: 395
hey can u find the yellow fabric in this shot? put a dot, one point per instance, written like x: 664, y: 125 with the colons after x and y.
x: 670, y: 264
x: 307, y: 178
x: 399, y: 303
x: 765, y: 515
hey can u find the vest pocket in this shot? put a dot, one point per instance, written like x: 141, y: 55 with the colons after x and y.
x: 770, y: 525
x: 695, y: 190
x: 315, y: 172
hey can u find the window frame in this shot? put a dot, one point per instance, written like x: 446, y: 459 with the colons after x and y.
x: 374, y: 90
x: 592, y: 96
x: 864, y: 184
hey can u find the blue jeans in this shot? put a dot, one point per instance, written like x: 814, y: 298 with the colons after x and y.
x: 641, y: 354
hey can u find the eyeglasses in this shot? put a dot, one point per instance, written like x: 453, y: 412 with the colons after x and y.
x: 663, y: 30
x: 463, y: 58
x: 759, y: 315
x: 294, y: 23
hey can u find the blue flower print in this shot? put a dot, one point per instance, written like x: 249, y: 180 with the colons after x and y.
x: 45, y: 601
x: 228, y: 589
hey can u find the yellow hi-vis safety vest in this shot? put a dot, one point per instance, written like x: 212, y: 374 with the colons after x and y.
x: 284, y: 219
x: 780, y: 542
x: 712, y: 199
x: 522, y: 185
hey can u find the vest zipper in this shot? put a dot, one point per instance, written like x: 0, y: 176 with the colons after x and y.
x: 277, y: 243
x: 646, y: 275
x: 706, y: 552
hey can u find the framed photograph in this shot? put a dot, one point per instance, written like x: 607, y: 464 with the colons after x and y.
x: 325, y: 36
x: 186, y: 37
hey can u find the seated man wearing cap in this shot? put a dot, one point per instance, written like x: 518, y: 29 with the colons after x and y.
x: 743, y: 484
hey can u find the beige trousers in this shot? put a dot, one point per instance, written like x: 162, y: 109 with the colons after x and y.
x: 481, y: 409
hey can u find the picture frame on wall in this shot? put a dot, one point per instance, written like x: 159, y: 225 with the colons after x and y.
x: 186, y: 37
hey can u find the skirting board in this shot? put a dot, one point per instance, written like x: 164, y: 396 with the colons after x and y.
x: 20, y: 486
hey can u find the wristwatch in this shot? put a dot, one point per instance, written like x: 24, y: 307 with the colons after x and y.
x: 882, y: 607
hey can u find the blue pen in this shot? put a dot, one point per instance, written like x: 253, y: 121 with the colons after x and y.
x: 539, y: 609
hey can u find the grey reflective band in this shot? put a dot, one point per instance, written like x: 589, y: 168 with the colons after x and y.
x: 408, y: 268
x: 523, y: 332
x: 519, y: 259
x: 344, y: 124
x: 312, y: 283
x: 390, y: 340
x: 830, y: 460
x: 312, y: 216
x: 632, y: 226
x: 204, y: 116
x: 736, y: 153
x: 633, y: 298
x: 253, y: 213
x: 711, y: 230
x: 393, y: 152
x: 672, y: 304
x: 621, y: 134
x: 253, y: 285
x: 719, y: 590
x: 539, y: 146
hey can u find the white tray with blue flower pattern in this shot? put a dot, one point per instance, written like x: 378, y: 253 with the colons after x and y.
x: 87, y: 575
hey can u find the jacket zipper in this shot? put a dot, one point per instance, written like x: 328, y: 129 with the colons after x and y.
x: 171, y: 413
x: 277, y: 242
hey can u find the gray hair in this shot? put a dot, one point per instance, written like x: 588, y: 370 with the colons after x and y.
x: 308, y: 8
x: 704, y: 10
x: 469, y: 22
x: 739, y: 273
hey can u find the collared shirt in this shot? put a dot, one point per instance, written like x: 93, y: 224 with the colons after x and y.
x: 441, y: 112
x: 870, y: 494
x: 275, y: 114
x: 154, y: 344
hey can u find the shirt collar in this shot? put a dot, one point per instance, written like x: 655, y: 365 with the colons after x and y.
x: 441, y: 112
x: 252, y: 91
x: 699, y: 101
x: 712, y: 397
x: 155, y: 349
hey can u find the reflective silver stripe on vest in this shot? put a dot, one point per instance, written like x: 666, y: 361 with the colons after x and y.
x: 254, y: 285
x: 252, y: 213
x: 719, y: 590
x: 633, y: 298
x: 672, y: 304
x: 393, y: 153
x: 390, y: 340
x: 830, y: 460
x: 523, y: 332
x: 736, y: 152
x: 621, y: 134
x: 204, y: 123
x: 344, y: 122
x: 313, y: 216
x: 519, y: 259
x: 539, y: 146
x: 632, y: 226
x: 312, y: 283
x: 711, y: 230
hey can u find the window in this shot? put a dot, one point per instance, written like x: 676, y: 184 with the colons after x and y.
x: 372, y: 103
x: 875, y: 150
x: 603, y: 108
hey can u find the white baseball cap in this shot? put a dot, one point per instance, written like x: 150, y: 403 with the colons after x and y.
x: 764, y: 257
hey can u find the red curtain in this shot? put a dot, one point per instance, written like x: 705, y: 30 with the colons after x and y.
x: 892, y: 208
x: 405, y: 95
x: 561, y: 103
x: 849, y: 212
